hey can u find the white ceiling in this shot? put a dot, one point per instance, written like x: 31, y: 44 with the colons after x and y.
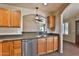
x: 50, y: 7
x: 71, y: 10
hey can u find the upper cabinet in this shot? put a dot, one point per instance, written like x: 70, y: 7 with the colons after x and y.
x: 51, y: 22
x: 4, y: 17
x: 15, y: 18
x: 10, y: 18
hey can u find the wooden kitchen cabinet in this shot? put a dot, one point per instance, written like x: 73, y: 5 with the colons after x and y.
x: 15, y: 18
x: 0, y: 48
x: 50, y: 44
x: 17, y: 48
x: 10, y: 48
x: 55, y: 43
x: 4, y: 17
x: 5, y: 49
x: 51, y: 22
x: 10, y: 18
x: 17, y: 52
x: 17, y: 44
x: 41, y: 46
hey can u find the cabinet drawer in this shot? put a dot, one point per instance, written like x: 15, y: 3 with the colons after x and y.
x: 17, y: 44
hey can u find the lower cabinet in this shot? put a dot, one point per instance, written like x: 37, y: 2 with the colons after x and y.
x: 10, y: 48
x: 0, y: 48
x: 55, y: 43
x: 41, y: 46
x: 47, y: 45
x: 34, y: 47
x: 50, y: 45
x: 17, y: 48
x: 6, y: 48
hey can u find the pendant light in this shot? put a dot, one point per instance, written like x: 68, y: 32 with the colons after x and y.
x: 37, y: 17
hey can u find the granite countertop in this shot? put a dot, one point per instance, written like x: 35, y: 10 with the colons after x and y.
x: 2, y: 38
x: 22, y: 37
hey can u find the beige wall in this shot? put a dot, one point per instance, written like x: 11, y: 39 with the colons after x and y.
x: 29, y: 34
x: 29, y: 24
x: 71, y: 29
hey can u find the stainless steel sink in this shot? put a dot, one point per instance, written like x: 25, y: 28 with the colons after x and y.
x: 41, y: 36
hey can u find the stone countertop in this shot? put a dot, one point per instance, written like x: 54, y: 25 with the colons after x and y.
x: 22, y: 37
x: 7, y: 39
x: 18, y: 37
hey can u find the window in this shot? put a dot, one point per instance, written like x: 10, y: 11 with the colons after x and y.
x: 65, y: 28
x: 42, y: 27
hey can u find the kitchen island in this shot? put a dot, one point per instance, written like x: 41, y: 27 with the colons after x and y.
x: 21, y: 46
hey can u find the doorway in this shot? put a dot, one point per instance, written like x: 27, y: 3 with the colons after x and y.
x: 77, y: 33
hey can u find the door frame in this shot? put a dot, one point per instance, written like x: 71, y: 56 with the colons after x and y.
x: 76, y: 31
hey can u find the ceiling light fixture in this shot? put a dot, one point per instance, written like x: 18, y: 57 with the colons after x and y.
x: 37, y: 18
x: 45, y: 4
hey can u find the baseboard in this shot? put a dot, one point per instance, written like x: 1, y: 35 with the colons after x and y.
x: 69, y: 42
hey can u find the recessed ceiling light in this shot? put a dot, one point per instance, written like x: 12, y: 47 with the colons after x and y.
x: 45, y: 4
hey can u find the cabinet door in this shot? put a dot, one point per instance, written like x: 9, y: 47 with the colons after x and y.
x: 17, y: 52
x: 5, y: 49
x: 0, y: 48
x: 4, y: 17
x: 51, y: 22
x: 55, y: 43
x: 15, y: 18
x: 50, y: 44
x: 11, y: 49
x: 41, y: 46
x: 17, y: 48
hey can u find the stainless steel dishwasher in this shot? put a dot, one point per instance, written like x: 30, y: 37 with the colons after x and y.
x: 30, y: 47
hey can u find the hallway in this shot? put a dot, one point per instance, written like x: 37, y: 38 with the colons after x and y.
x: 69, y: 50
